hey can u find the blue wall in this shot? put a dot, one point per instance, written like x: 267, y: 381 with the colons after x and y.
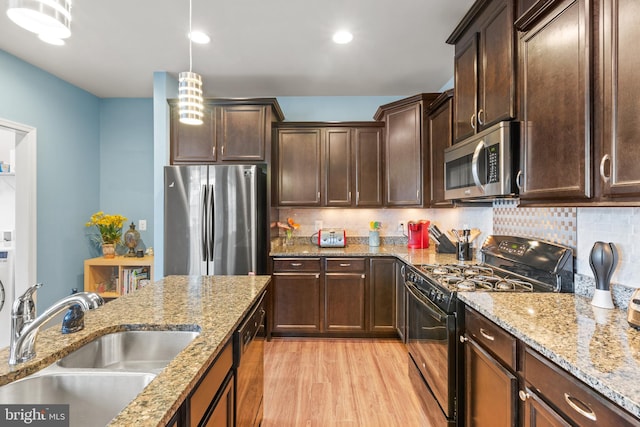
x: 126, y: 169
x: 332, y: 108
x: 79, y: 137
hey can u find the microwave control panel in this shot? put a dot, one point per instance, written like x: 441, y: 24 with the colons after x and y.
x: 493, y: 164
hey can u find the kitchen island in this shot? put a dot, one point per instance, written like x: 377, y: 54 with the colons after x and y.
x: 214, y: 305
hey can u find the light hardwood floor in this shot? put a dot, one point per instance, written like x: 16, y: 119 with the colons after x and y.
x: 338, y: 382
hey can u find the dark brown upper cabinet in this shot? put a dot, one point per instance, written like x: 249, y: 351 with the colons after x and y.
x: 406, y: 151
x: 554, y: 72
x: 484, y: 62
x: 233, y: 131
x: 616, y: 168
x: 440, y: 125
x: 340, y: 164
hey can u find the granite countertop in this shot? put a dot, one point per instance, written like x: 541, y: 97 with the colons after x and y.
x: 596, y: 345
x: 216, y: 304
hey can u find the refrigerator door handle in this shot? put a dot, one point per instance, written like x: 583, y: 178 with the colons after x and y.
x: 212, y: 230
x: 203, y: 239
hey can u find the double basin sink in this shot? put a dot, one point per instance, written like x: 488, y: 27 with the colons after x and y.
x: 101, y: 378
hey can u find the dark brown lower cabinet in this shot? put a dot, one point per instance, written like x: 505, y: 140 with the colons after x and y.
x: 491, y: 390
x: 344, y: 288
x: 212, y: 401
x: 382, y: 295
x: 538, y: 414
x: 222, y: 414
x: 331, y: 296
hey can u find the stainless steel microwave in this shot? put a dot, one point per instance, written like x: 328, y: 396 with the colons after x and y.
x: 484, y: 165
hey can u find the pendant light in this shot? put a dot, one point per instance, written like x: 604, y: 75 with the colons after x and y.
x: 190, y: 102
x: 50, y: 19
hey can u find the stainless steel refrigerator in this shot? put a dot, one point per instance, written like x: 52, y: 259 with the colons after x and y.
x: 215, y: 220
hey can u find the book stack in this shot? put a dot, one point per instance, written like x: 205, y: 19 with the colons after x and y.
x: 134, y: 278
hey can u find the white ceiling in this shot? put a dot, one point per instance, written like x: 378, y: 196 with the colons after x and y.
x: 258, y: 47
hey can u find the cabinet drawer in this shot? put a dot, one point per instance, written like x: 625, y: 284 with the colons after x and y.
x: 356, y: 265
x: 296, y: 264
x: 581, y: 405
x: 493, y: 338
x: 209, y: 386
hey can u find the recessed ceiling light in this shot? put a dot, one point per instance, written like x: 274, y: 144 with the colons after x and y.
x: 199, y: 37
x: 342, y: 37
x: 51, y: 40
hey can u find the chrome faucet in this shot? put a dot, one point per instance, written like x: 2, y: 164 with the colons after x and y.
x: 25, y: 325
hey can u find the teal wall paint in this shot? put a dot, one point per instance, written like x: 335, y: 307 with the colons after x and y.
x: 332, y: 108
x: 126, y: 170
x: 68, y: 158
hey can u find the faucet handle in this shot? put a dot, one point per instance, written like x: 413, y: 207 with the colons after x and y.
x: 24, y: 305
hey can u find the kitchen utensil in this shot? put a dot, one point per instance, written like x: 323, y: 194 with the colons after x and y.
x: 603, y: 260
x: 633, y: 311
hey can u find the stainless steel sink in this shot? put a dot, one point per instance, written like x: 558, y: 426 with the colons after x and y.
x: 141, y: 351
x: 94, y: 397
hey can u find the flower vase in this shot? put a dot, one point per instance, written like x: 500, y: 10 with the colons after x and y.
x: 288, y: 238
x: 108, y: 250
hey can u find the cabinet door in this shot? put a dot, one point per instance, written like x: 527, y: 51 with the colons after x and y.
x: 368, y: 166
x: 222, y: 413
x: 490, y: 390
x: 403, y: 156
x: 337, y: 170
x: 242, y: 132
x: 401, y: 303
x: 440, y: 137
x: 465, y: 86
x: 618, y: 166
x: 299, y: 167
x: 555, y: 74
x: 193, y: 143
x: 538, y: 414
x: 497, y: 88
x: 382, y: 295
x: 344, y: 302
x: 296, y: 302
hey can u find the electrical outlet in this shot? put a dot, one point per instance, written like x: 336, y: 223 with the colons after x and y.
x: 142, y: 225
x: 317, y: 225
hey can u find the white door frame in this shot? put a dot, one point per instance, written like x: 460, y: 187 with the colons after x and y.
x: 26, y: 242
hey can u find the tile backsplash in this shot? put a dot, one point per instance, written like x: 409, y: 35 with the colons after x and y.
x: 577, y: 228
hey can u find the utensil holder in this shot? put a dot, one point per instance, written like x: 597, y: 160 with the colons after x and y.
x: 464, y: 251
x: 374, y: 238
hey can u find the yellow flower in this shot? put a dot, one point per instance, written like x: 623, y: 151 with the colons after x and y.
x: 110, y: 226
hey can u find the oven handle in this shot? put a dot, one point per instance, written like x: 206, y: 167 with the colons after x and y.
x: 432, y: 309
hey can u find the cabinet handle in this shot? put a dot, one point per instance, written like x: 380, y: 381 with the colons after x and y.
x: 318, y: 195
x: 296, y: 264
x: 418, y: 194
x: 222, y: 150
x: 463, y: 339
x: 473, y: 121
x: 576, y: 403
x: 480, y: 113
x: 363, y: 276
x: 317, y: 275
x: 519, y: 180
x: 604, y: 177
x: 346, y: 264
x: 486, y: 335
x: 523, y: 395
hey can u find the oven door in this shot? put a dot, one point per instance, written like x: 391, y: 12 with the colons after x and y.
x: 431, y: 345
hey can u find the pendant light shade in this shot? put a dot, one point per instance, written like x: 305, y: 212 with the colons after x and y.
x: 190, y: 102
x: 47, y: 18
